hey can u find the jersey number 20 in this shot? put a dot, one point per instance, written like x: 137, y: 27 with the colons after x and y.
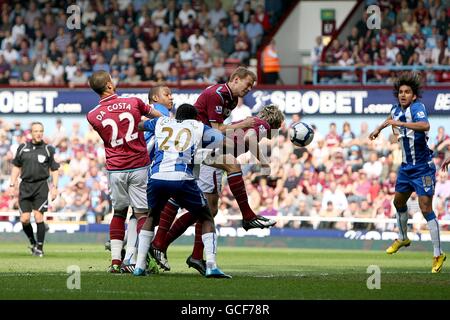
x: 178, y: 146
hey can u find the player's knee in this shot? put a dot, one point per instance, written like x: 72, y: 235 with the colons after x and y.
x: 121, y: 212
x: 399, y: 204
x: 141, y: 212
x: 25, y: 220
x: 425, y: 205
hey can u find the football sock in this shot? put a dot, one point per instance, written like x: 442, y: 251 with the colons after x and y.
x: 166, y: 218
x: 28, y: 229
x: 210, y: 241
x: 402, y: 222
x: 40, y: 234
x: 145, y: 238
x: 116, y: 234
x: 130, y: 254
x: 237, y: 187
x: 197, y: 251
x: 433, y: 225
x: 177, y: 229
x: 140, y: 223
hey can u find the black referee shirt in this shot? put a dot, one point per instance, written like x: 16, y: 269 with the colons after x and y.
x: 35, y: 160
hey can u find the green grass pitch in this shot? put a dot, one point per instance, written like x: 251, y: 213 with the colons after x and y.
x: 258, y: 273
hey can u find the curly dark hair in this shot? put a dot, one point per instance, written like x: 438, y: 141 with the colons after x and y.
x: 410, y: 79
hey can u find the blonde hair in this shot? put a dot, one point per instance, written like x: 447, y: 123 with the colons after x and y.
x: 272, y: 115
x: 242, y: 73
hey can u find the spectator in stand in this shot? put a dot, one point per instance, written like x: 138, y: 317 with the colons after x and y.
x: 226, y: 41
x: 263, y: 18
x: 373, y: 167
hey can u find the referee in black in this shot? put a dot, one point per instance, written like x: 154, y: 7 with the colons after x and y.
x: 34, y: 162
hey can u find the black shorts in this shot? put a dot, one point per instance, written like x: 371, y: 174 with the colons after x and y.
x: 33, y: 196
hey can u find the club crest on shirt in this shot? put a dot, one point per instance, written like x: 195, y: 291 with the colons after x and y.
x: 41, y: 158
x: 219, y: 109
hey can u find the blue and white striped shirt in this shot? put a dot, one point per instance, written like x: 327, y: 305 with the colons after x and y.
x: 413, y: 143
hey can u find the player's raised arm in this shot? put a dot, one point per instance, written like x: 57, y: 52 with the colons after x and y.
x: 247, y: 123
x: 374, y: 134
x: 148, y: 125
x: 153, y: 113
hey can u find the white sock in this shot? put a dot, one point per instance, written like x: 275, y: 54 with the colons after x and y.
x: 210, y: 243
x: 130, y: 254
x: 145, y: 238
x: 116, y: 249
x: 433, y: 226
x: 402, y: 223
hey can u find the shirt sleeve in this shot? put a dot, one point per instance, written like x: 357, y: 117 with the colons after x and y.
x: 419, y: 113
x: 150, y: 125
x: 215, y: 108
x: 52, y: 162
x: 212, y: 138
x: 143, y: 107
x: 164, y: 111
x: 17, y: 161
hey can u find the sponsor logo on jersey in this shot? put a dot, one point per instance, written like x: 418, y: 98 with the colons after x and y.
x: 421, y: 114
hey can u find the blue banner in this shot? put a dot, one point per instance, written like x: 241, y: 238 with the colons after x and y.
x: 309, y: 102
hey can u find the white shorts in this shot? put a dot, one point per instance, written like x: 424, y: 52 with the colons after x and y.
x: 210, y: 179
x: 129, y: 189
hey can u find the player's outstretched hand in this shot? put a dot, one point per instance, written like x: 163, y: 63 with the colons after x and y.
x: 249, y: 122
x: 374, y: 134
x: 445, y: 164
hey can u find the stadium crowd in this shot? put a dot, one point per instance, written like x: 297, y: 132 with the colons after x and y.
x: 341, y: 174
x: 413, y: 33
x: 147, y: 42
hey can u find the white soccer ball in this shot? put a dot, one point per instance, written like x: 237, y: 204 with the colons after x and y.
x: 301, y: 134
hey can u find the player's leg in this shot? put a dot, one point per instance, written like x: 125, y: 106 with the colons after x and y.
x: 137, y: 192
x: 40, y: 206
x: 28, y: 229
x: 166, y: 219
x: 158, y: 192
x: 178, y: 228
x: 210, y: 183
x: 191, y: 198
x: 237, y: 187
x: 131, y: 244
x: 403, y: 190
x: 25, y: 208
x: 400, y: 199
x: 424, y: 186
x: 40, y: 233
x: 120, y: 202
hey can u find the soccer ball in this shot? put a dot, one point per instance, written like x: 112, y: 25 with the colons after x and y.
x: 301, y: 134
